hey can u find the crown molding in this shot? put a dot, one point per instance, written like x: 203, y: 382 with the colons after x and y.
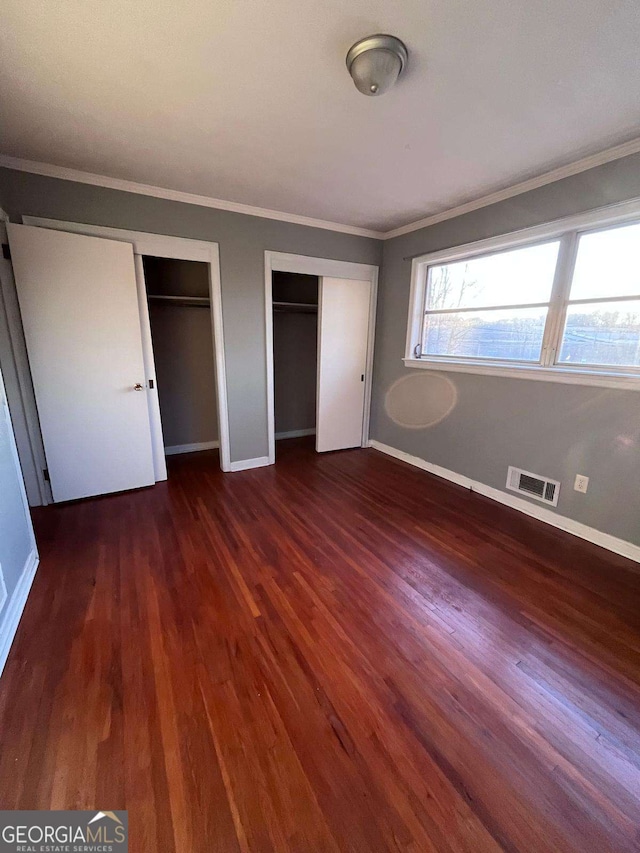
x: 65, y: 174
x: 583, y: 165
x: 575, y: 168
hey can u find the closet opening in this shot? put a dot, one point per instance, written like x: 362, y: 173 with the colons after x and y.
x: 295, y: 353
x: 184, y: 353
x: 320, y: 322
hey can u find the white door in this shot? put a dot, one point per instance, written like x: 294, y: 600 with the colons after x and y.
x: 343, y: 330
x: 79, y: 310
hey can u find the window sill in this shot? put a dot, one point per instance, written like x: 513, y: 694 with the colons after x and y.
x: 571, y: 376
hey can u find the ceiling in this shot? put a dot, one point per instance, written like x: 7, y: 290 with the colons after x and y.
x: 251, y: 102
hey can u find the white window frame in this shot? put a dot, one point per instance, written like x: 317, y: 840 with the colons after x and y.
x: 568, y: 232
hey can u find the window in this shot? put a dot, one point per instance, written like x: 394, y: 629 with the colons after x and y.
x: 560, y: 301
x: 602, y: 324
x: 494, y: 306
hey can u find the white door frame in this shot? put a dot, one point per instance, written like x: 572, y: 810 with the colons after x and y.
x: 17, y: 380
x: 11, y: 609
x: 182, y: 249
x: 284, y: 262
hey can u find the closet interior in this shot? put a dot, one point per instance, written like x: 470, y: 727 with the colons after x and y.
x: 295, y: 353
x: 183, y: 350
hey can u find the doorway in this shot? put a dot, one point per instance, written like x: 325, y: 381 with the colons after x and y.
x: 295, y: 353
x: 329, y: 305
x: 183, y: 352
x: 106, y: 350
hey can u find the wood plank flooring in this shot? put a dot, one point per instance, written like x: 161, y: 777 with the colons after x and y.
x: 338, y: 653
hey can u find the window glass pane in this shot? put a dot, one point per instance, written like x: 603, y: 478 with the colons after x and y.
x: 503, y: 334
x: 608, y: 264
x: 606, y: 333
x: 506, y: 278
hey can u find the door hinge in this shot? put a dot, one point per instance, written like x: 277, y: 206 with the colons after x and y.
x: 6, y: 251
x: 45, y: 474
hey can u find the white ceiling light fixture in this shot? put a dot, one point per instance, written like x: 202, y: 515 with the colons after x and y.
x: 376, y: 62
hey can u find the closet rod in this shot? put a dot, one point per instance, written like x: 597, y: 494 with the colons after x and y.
x: 195, y: 301
x: 304, y: 307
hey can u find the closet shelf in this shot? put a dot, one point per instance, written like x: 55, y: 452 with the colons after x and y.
x: 302, y: 307
x: 181, y: 300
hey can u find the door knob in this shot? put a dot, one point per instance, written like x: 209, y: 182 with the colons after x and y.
x: 138, y: 387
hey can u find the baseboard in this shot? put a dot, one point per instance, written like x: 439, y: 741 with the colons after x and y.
x: 191, y: 448
x: 295, y: 433
x: 15, y: 606
x: 245, y: 464
x: 417, y: 462
x: 590, y: 534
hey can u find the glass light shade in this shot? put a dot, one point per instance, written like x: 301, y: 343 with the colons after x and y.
x: 375, y: 71
x: 375, y: 63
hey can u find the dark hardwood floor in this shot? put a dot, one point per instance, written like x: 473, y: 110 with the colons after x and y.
x: 338, y: 653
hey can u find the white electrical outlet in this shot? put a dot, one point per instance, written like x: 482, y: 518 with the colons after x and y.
x: 581, y: 484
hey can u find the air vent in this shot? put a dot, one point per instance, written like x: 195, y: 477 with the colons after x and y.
x: 533, y: 485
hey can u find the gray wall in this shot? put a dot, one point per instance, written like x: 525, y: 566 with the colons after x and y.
x: 183, y: 352
x: 243, y: 241
x: 551, y: 429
